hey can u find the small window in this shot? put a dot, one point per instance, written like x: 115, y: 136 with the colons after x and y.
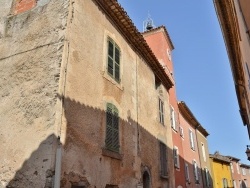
x: 207, y: 176
x: 113, y: 64
x: 112, y: 128
x: 232, y: 168
x: 173, y: 118
x: 169, y: 54
x: 196, y: 172
x: 238, y: 169
x: 224, y: 181
x: 161, y: 111
x: 203, y: 152
x: 163, y: 159
x: 176, y: 157
x: 191, y: 138
x: 181, y: 132
x: 243, y: 171
x: 187, y: 176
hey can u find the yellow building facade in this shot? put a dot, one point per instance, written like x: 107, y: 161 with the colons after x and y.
x: 221, y: 171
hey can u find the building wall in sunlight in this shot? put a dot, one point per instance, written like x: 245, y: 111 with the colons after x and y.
x: 144, y: 152
x: 31, y: 53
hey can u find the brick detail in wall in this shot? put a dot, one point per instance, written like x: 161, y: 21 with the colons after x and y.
x: 24, y: 5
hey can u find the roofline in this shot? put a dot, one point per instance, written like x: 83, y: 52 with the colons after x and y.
x: 244, y: 165
x: 188, y: 115
x: 123, y: 23
x: 219, y: 159
x: 165, y: 31
x: 233, y: 158
x: 229, y: 26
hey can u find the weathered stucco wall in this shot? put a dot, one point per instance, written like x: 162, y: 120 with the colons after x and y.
x: 88, y: 88
x: 31, y: 46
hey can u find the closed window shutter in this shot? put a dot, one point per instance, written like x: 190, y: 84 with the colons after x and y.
x: 163, y: 159
x: 112, y: 128
x: 110, y: 57
x: 187, y: 173
x: 176, y: 121
x: 113, y: 60
x: 161, y: 111
x: 196, y: 175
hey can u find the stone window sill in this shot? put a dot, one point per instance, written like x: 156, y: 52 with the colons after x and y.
x: 112, y: 154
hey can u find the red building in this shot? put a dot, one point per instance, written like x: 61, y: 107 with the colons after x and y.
x: 161, y: 44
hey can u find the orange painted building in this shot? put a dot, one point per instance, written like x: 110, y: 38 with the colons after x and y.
x: 161, y: 45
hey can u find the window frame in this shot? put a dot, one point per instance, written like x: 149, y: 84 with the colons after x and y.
x: 111, y: 59
x: 203, y: 151
x: 163, y: 160
x: 182, y: 132
x: 112, y: 138
x: 196, y: 172
x: 161, y: 110
x: 176, y: 157
x: 173, y: 117
x: 187, y: 175
x: 191, y: 139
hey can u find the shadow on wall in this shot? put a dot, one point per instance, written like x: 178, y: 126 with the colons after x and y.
x: 85, y: 156
x: 37, y: 169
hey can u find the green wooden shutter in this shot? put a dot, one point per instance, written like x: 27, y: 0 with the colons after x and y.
x: 117, y: 64
x: 112, y: 128
x: 110, y: 57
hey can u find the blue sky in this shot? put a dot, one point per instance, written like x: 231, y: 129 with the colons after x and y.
x: 201, y: 67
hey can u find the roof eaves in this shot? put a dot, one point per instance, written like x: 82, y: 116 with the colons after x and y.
x: 122, y: 21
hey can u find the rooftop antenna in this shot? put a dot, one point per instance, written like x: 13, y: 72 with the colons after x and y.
x: 148, y: 24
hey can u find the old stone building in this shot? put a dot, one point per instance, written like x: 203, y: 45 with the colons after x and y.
x: 85, y: 102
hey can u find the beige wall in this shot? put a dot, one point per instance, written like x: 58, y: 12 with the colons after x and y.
x: 88, y: 88
x: 30, y: 58
x: 204, y: 157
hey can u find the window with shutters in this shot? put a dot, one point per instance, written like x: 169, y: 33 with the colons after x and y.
x: 196, y: 172
x: 173, y: 118
x: 207, y: 178
x: 187, y: 176
x: 163, y: 159
x: 112, y: 128
x: 181, y: 132
x: 161, y: 111
x: 203, y: 152
x: 191, y: 139
x: 225, y: 184
x: 176, y: 157
x: 113, y: 64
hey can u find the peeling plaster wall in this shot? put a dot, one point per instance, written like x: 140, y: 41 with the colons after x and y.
x: 31, y: 47
x: 88, y: 88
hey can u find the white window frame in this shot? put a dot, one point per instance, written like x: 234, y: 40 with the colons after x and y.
x: 238, y: 168
x: 181, y: 132
x: 176, y: 157
x: 187, y: 176
x: 203, y: 152
x: 173, y: 118
x: 191, y: 137
x: 232, y: 168
x: 196, y: 173
x: 243, y: 171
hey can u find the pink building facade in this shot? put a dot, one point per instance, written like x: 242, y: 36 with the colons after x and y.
x: 160, y: 43
x: 189, y: 125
